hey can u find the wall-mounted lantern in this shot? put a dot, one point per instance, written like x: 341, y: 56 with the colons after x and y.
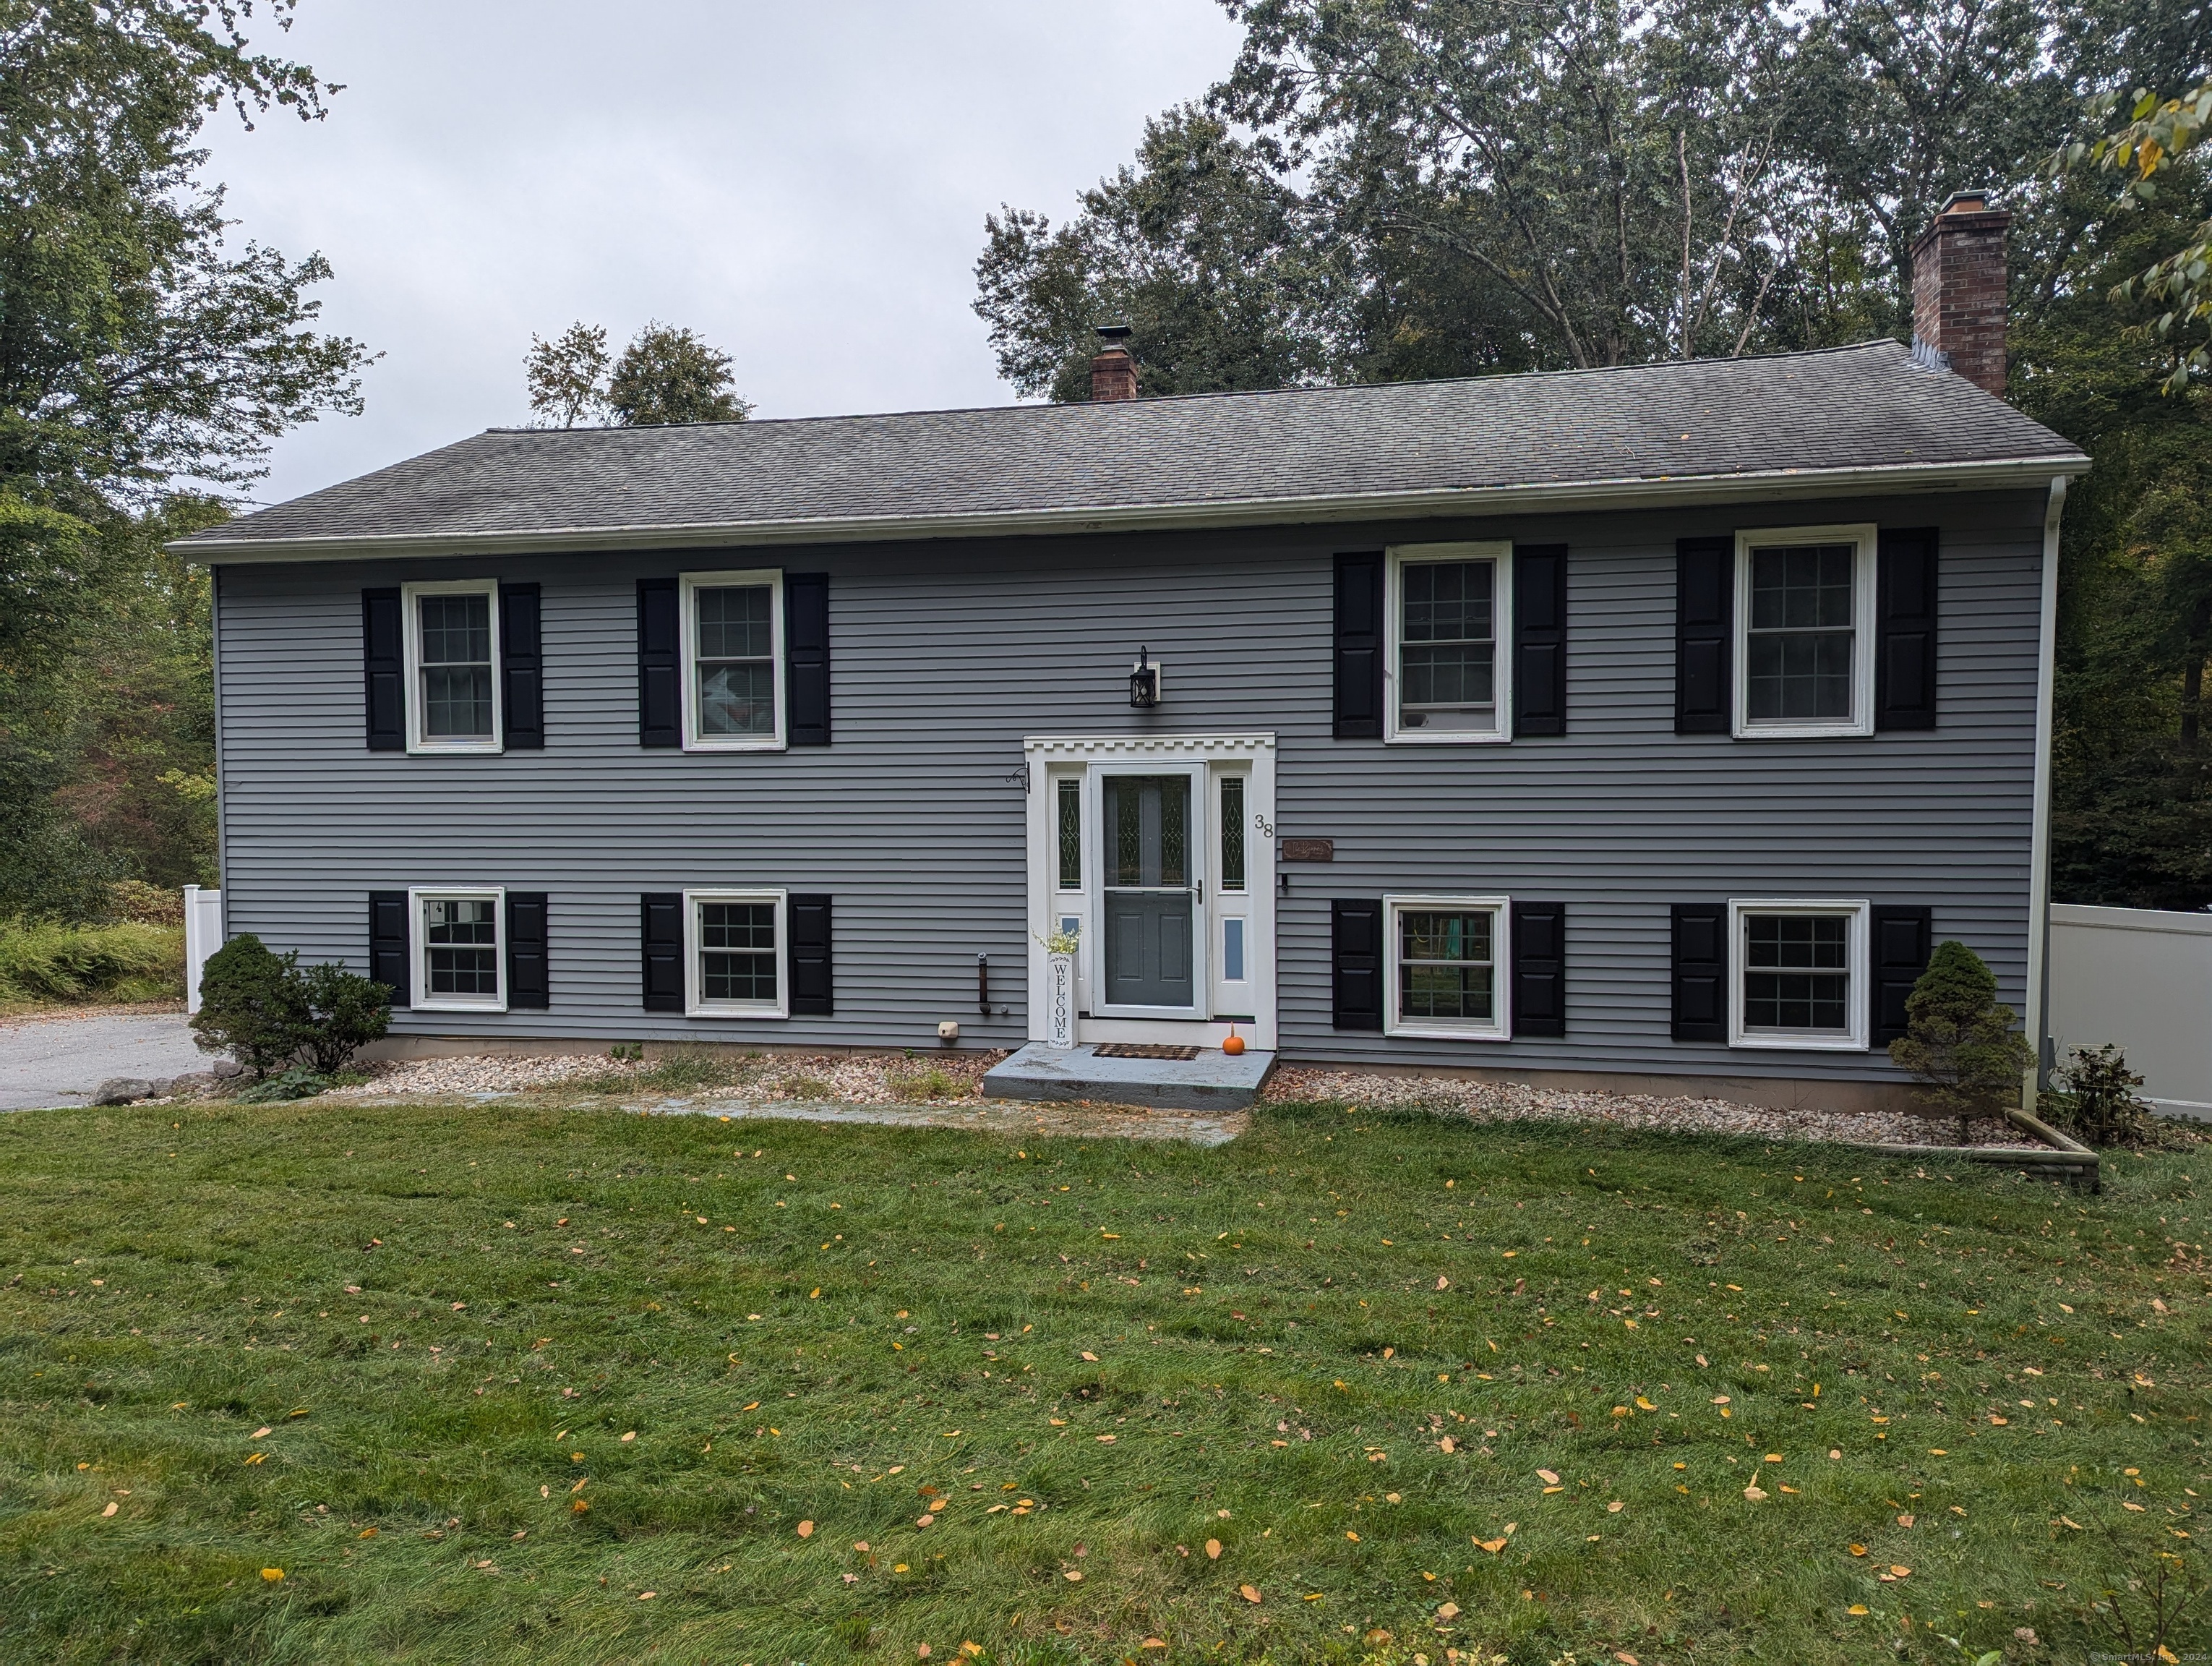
x: 1144, y: 681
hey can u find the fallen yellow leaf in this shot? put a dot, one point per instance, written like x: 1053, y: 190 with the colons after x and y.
x: 806, y: 1529
x: 272, y: 1574
x: 1856, y: 1608
x: 1213, y: 1549
x: 111, y: 1508
x: 1250, y: 1593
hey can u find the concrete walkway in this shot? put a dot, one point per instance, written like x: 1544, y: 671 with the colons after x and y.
x: 61, y: 1059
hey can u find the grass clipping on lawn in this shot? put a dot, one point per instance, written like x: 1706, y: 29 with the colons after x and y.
x: 344, y: 1382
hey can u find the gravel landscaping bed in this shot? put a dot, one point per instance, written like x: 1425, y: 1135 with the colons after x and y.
x: 897, y: 1078
x: 1516, y: 1101
x: 864, y: 1078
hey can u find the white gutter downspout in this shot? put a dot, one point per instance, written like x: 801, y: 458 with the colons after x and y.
x: 2039, y: 884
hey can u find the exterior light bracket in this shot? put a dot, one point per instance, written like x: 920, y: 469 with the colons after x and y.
x: 1144, y: 681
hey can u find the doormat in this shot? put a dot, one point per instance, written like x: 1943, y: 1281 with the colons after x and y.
x: 1146, y: 1050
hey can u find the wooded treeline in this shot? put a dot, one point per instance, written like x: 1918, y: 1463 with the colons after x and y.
x: 1380, y: 189
x: 147, y: 358
x: 1383, y: 190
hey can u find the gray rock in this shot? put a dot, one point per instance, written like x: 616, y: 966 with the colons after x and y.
x: 159, y: 1087
x: 223, y: 1069
x: 122, y: 1090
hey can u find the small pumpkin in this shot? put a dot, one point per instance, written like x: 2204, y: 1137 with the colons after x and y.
x: 1234, y: 1045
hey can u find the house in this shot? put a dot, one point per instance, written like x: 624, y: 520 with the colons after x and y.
x: 1635, y: 726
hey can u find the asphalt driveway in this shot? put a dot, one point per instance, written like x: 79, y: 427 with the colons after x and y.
x: 62, y: 1059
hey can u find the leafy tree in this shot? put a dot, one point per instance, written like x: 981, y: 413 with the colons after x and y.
x: 1960, y: 1043
x: 1614, y: 171
x: 668, y: 374
x: 138, y: 351
x: 1200, y: 248
x: 568, y: 375
x: 2162, y: 132
x: 135, y: 347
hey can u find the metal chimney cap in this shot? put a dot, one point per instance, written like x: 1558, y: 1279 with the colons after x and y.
x: 1983, y: 201
x: 1114, y: 335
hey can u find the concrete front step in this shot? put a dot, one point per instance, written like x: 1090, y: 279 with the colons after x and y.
x: 1215, y: 1081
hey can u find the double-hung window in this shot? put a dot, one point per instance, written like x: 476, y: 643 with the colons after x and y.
x: 1805, y: 629
x: 733, y: 961
x: 451, y: 633
x: 1445, y: 961
x: 1797, y: 974
x: 459, y: 949
x: 732, y: 648
x: 1447, y: 607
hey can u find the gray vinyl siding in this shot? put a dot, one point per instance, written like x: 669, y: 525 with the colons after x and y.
x: 945, y: 655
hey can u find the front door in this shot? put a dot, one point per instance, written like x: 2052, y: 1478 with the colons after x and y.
x: 1151, y: 892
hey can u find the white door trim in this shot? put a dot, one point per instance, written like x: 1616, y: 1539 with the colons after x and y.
x: 1051, y: 758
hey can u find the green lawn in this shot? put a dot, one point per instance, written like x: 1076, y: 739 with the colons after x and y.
x: 395, y: 1353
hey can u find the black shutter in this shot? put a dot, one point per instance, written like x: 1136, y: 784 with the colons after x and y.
x: 1359, y: 654
x: 529, y: 983
x: 521, y: 670
x: 807, y: 658
x: 1905, y: 630
x: 660, y: 684
x: 810, y: 956
x: 1539, y: 969
x: 1705, y: 648
x: 1356, y: 964
x: 1900, y: 942
x: 388, y: 958
x: 1701, y: 971
x: 1540, y: 639
x: 661, y: 932
x: 385, y: 660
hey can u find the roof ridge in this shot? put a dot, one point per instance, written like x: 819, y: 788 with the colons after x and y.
x: 1219, y: 393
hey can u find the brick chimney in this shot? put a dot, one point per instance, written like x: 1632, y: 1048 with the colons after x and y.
x: 1959, y: 289
x: 1114, y: 372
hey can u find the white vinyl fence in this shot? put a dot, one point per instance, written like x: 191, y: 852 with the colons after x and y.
x: 202, y: 937
x: 2142, y: 978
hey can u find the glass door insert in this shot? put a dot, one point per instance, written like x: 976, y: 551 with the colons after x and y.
x: 1153, y: 892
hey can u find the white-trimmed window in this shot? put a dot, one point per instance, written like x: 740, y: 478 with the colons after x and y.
x: 451, y: 634
x: 1445, y: 961
x: 733, y: 647
x: 1804, y: 631
x: 1797, y: 974
x: 733, y: 954
x: 458, y: 947
x: 1448, y: 610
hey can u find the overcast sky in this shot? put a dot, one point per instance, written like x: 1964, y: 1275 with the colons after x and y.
x: 803, y: 184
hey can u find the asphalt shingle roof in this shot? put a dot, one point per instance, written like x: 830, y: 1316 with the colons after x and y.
x: 1843, y: 408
